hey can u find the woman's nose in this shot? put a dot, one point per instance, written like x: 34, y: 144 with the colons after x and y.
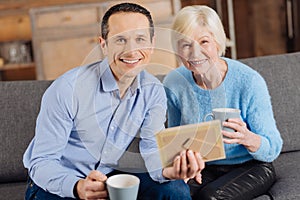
x: 197, y: 51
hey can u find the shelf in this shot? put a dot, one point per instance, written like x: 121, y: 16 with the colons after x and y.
x: 16, y: 66
x: 14, y: 72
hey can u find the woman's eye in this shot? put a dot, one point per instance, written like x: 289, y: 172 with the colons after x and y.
x: 204, y: 41
x: 186, y: 46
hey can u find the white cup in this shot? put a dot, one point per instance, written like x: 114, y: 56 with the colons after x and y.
x: 123, y: 187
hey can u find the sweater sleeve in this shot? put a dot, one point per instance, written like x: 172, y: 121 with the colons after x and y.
x: 260, y: 120
x: 173, y: 113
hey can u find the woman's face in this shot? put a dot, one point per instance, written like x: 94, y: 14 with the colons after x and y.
x: 199, y: 52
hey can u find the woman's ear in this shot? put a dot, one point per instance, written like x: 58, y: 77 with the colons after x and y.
x: 103, y: 45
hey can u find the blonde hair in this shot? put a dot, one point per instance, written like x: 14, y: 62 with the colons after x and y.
x: 189, y: 17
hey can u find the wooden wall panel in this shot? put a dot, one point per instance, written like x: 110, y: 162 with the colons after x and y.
x: 15, y: 27
x: 260, y: 27
x: 58, y: 55
x: 269, y: 26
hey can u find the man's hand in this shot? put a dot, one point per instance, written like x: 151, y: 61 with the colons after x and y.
x: 185, y: 166
x: 93, y: 186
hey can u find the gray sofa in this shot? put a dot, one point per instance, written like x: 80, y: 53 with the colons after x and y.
x: 20, y: 101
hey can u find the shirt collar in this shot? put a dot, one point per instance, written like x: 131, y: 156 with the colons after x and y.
x: 107, y: 78
x: 136, y: 85
x: 109, y: 82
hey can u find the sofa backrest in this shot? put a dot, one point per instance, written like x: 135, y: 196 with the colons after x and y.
x: 19, y: 106
x: 282, y: 74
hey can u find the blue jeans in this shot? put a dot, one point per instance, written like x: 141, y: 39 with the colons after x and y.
x: 35, y: 192
x: 172, y: 190
x: 148, y: 190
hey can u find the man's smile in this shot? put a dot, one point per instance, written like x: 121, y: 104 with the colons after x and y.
x: 130, y: 61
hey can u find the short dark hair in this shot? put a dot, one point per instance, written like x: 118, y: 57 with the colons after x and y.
x: 125, y: 7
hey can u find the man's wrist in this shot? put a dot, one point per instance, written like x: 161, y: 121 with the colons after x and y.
x: 165, y: 175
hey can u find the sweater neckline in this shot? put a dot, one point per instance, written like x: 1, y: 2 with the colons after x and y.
x: 194, y: 84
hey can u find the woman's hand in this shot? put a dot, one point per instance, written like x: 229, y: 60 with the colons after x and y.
x: 242, y: 135
x: 185, y: 166
x: 93, y: 186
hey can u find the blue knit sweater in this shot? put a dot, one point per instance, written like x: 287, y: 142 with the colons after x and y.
x: 242, y: 88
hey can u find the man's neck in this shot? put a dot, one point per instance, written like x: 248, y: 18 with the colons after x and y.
x: 124, y: 84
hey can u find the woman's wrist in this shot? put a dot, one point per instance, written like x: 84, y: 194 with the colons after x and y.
x: 255, y: 143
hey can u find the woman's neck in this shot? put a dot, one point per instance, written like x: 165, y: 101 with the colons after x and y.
x: 213, y: 77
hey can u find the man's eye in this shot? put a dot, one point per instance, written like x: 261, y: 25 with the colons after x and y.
x: 121, y: 41
x: 204, y: 42
x: 140, y: 39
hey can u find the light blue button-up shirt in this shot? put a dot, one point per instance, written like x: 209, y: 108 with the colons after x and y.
x: 84, y: 125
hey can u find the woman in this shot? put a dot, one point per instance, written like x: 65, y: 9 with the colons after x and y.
x: 206, y: 80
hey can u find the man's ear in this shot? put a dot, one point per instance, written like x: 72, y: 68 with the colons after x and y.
x: 103, y: 45
x: 153, y: 44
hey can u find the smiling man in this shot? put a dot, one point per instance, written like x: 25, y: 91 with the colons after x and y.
x: 91, y: 114
x: 127, y: 45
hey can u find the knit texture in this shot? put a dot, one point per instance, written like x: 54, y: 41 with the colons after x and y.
x: 242, y: 88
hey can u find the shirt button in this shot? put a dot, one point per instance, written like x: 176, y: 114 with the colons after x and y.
x: 112, y: 128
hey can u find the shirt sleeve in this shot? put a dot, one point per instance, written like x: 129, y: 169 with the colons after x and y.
x: 53, y: 129
x: 152, y: 124
x: 260, y: 120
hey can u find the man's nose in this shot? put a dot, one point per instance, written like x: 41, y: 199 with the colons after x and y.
x: 131, y: 46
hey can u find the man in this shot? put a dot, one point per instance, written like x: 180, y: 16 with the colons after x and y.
x: 91, y: 114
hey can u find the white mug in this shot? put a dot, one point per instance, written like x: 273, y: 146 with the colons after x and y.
x: 123, y: 187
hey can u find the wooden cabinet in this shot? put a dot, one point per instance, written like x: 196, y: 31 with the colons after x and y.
x: 13, y: 72
x: 63, y: 36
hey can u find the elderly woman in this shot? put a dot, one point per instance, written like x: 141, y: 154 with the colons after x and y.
x: 205, y: 81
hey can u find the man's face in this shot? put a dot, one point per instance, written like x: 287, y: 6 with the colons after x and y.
x: 128, y: 45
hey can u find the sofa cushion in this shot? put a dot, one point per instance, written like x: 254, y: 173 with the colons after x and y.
x: 282, y: 73
x: 288, y: 176
x: 131, y: 160
x: 19, y: 102
x: 13, y: 191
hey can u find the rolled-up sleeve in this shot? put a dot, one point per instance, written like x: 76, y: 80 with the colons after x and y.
x: 53, y: 129
x: 152, y: 124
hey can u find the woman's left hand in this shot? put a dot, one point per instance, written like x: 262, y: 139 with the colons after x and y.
x: 242, y: 135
